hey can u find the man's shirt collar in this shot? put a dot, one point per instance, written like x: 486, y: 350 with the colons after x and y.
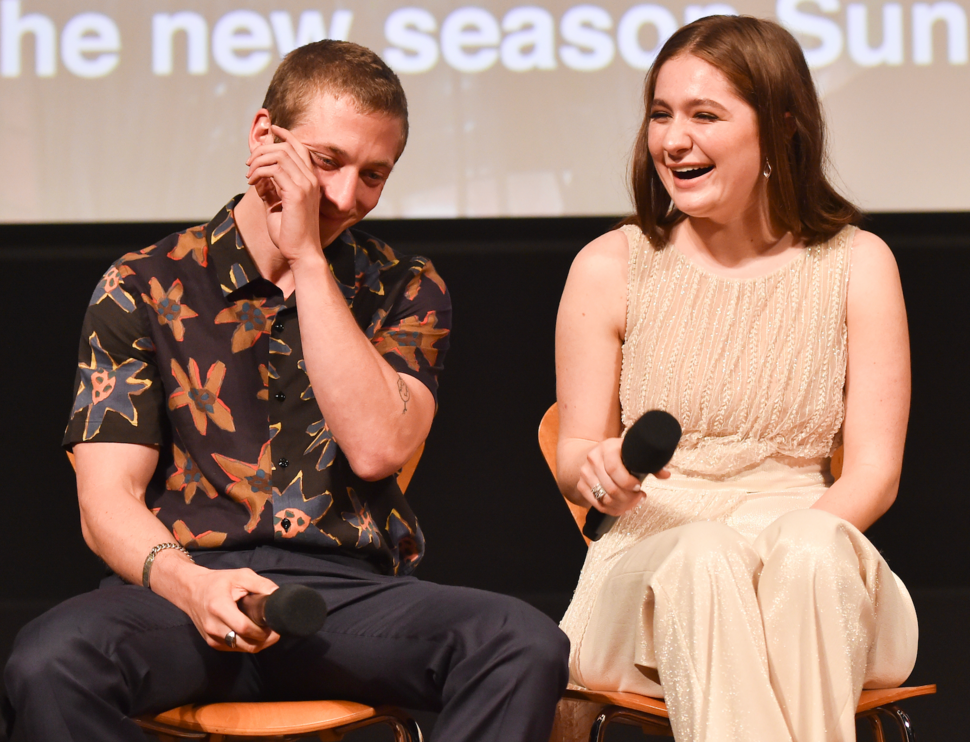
x: 234, y: 266
x: 236, y: 270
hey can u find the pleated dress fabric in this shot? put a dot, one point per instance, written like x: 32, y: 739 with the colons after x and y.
x: 753, y: 616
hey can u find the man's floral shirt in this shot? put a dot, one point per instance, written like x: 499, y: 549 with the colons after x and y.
x: 187, y: 348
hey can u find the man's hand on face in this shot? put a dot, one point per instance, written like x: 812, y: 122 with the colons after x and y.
x: 284, y: 176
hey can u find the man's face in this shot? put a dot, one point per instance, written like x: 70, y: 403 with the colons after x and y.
x: 352, y: 155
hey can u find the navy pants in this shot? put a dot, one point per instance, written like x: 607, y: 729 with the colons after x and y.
x: 493, y: 666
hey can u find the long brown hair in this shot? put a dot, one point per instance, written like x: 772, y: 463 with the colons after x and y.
x: 766, y: 67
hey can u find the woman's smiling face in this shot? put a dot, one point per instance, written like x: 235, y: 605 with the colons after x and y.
x: 704, y: 141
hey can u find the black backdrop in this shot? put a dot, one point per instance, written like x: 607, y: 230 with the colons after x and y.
x: 489, y: 508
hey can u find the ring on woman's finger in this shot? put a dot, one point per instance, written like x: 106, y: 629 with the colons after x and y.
x: 230, y: 639
x: 598, y: 492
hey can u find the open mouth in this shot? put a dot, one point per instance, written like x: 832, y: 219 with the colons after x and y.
x: 691, y: 173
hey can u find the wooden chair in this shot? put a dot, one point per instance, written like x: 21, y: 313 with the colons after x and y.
x: 651, y: 713
x: 283, y: 721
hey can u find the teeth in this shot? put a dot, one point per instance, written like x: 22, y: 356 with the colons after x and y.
x: 689, y: 173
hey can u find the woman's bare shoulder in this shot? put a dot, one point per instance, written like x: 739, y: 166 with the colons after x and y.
x: 595, y: 290
x: 870, y: 246
x: 603, y: 259
x: 872, y: 260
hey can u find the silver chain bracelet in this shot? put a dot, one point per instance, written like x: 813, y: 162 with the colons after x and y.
x: 150, y: 560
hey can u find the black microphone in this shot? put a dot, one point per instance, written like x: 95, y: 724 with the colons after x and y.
x: 648, y: 446
x: 291, y: 610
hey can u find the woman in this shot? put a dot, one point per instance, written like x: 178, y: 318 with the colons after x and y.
x: 737, y: 584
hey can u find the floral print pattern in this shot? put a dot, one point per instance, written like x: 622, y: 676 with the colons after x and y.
x: 188, y: 349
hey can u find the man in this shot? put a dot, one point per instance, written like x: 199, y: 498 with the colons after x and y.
x: 251, y: 387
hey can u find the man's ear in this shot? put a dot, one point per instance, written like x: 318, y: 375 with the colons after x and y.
x: 260, y: 132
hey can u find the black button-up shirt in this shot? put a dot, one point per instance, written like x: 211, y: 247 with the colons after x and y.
x: 186, y: 347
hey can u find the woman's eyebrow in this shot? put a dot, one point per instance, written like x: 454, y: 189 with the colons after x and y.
x: 706, y: 103
x: 695, y: 103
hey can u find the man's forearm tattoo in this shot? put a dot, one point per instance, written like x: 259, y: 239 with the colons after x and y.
x: 405, y: 393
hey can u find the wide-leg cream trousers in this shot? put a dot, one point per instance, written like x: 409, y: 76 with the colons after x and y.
x: 770, y: 641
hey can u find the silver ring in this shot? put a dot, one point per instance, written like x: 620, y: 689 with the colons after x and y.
x: 598, y: 492
x: 230, y: 639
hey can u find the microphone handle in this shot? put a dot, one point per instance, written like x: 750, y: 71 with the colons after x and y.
x: 290, y: 610
x: 597, y: 524
x: 254, y: 606
x: 654, y: 438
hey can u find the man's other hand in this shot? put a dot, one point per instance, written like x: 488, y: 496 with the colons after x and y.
x: 210, y: 596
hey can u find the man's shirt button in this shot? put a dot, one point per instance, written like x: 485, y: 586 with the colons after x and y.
x: 282, y: 463
x: 278, y: 327
x: 280, y: 396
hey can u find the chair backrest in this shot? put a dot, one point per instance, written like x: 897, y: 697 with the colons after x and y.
x: 407, y: 471
x: 548, y: 441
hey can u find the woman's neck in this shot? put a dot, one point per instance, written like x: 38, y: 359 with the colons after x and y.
x: 741, y: 248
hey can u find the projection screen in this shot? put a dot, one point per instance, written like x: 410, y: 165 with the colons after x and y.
x: 138, y: 110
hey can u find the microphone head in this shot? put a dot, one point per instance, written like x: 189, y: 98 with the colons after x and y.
x: 650, y: 443
x: 295, y: 610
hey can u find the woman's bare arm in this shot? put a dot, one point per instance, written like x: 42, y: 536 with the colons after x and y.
x: 589, y: 336
x: 877, y: 387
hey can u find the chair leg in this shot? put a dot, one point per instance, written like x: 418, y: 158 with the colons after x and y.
x: 875, y: 725
x: 404, y: 727
x: 166, y: 733
x: 650, y: 724
x: 902, y: 720
x: 598, y: 729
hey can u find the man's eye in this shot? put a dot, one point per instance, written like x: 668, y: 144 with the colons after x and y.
x: 323, y: 161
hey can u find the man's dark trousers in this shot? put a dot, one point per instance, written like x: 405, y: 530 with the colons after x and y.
x: 493, y: 666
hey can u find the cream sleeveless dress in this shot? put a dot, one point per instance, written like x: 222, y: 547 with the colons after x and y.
x: 754, y: 370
